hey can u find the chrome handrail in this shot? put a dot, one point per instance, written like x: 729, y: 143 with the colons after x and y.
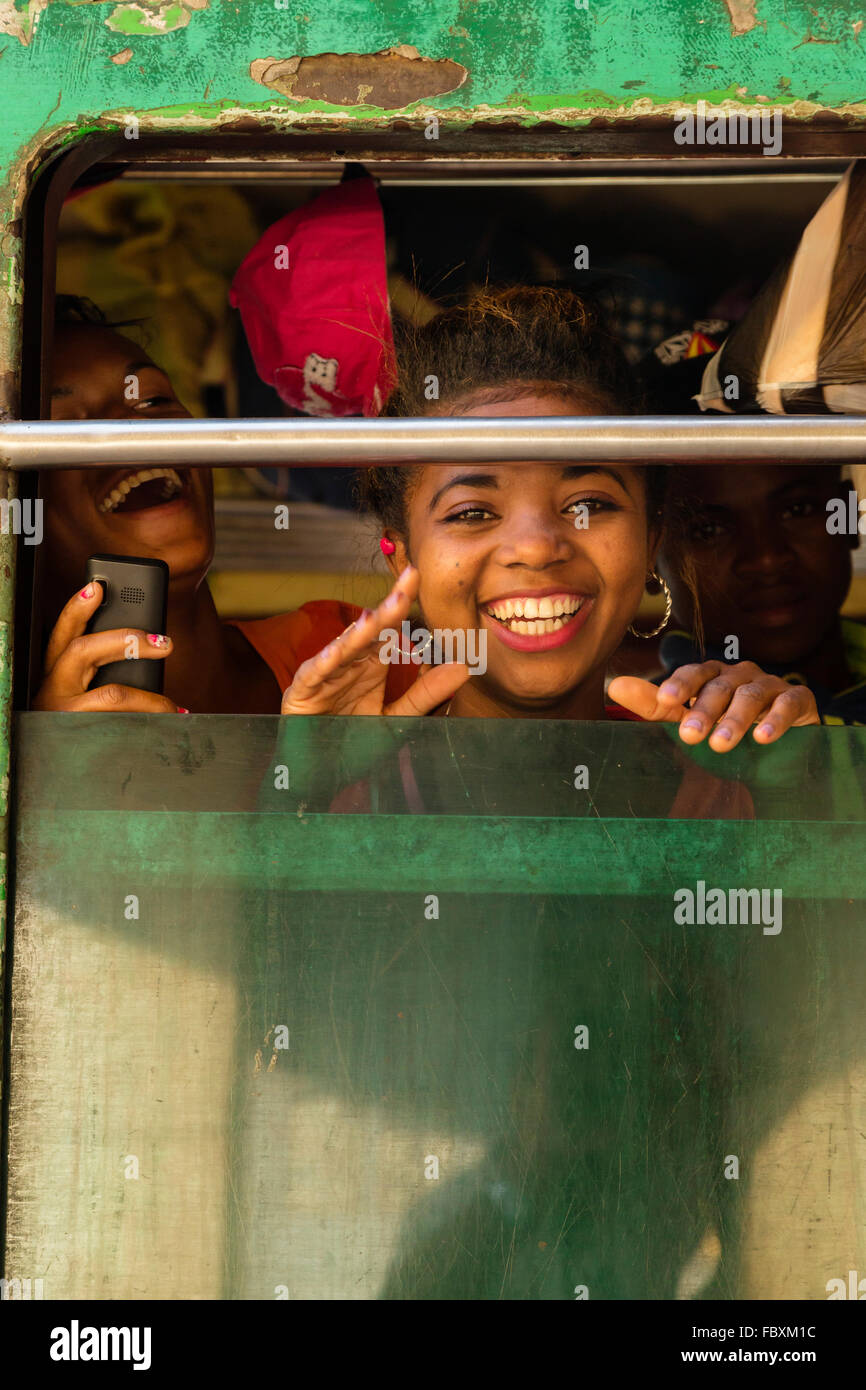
x: 452, y: 439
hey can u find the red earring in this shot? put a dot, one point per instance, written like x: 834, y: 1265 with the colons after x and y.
x: 387, y: 547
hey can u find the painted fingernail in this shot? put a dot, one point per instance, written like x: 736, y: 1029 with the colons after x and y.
x: 394, y: 600
x: 157, y: 640
x: 87, y: 592
x: 693, y: 723
x: 365, y: 613
x: 405, y: 573
x: 181, y: 710
x: 670, y: 689
x: 722, y: 733
x: 766, y: 729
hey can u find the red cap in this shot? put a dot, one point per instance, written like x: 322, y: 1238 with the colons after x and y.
x: 313, y: 297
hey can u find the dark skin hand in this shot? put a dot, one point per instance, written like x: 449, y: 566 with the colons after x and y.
x: 100, y: 375
x: 766, y: 569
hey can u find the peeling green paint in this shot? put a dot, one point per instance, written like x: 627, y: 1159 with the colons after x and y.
x: 150, y: 19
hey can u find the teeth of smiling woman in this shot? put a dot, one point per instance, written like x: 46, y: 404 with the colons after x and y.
x: 172, y: 486
x: 532, y: 617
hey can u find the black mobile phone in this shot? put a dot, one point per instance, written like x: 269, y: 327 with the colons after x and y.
x: 135, y: 595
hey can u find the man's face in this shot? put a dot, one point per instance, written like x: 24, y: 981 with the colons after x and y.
x: 766, y: 569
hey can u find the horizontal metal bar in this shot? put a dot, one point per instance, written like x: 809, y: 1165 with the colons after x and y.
x: 362, y: 443
x: 411, y: 178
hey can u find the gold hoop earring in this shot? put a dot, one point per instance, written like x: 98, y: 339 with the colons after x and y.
x: 669, y: 603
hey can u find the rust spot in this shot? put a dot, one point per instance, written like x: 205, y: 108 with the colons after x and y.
x: 122, y: 57
x: 391, y: 79
x: 20, y: 23
x: 810, y: 38
x: 743, y: 14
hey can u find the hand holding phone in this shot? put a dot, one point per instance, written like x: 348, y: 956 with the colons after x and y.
x: 108, y: 646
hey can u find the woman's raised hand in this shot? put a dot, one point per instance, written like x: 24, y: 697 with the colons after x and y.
x: 74, y: 656
x: 723, y: 701
x: 347, y: 677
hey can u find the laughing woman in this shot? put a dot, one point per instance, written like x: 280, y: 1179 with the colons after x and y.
x: 163, y: 513
x: 547, y: 561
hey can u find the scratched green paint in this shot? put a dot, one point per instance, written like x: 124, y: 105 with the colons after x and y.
x: 531, y: 56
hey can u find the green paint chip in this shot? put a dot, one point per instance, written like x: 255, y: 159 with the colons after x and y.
x: 149, y: 19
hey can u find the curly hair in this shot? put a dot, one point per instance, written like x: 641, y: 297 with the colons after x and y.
x: 500, y: 345
x: 77, y: 308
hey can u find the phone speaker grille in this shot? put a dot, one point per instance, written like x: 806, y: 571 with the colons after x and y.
x: 132, y: 595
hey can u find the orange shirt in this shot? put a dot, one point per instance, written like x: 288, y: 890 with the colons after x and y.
x: 289, y: 639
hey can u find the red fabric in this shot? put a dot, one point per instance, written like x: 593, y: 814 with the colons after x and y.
x: 313, y: 297
x: 617, y: 712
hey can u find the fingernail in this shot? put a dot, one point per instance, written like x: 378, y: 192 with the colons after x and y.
x: 157, y: 640
x: 693, y: 724
x: 365, y: 613
x: 671, y: 689
x: 766, y: 729
x: 405, y: 573
x: 722, y: 733
x: 394, y: 600
x: 181, y: 710
x: 87, y: 592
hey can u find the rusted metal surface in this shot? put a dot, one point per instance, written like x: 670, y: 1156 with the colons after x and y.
x: 392, y: 79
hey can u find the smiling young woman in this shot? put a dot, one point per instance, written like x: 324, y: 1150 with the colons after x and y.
x: 548, y: 560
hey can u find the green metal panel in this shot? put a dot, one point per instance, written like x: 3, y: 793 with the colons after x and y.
x: 268, y: 1048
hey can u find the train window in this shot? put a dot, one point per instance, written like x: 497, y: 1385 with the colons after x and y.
x: 408, y: 1008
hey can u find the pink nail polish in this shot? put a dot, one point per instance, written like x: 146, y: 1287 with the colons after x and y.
x: 157, y: 640
x: 86, y: 592
x: 181, y: 710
